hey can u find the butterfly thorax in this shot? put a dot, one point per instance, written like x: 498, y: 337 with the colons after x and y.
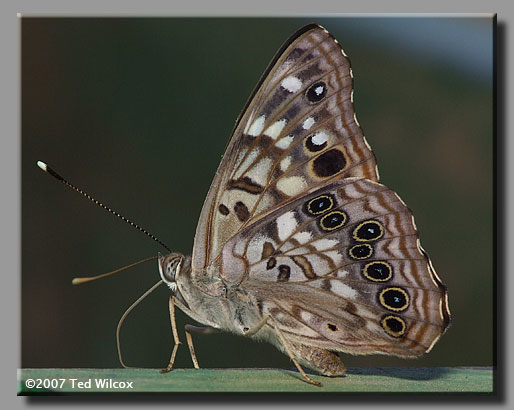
x: 206, y: 297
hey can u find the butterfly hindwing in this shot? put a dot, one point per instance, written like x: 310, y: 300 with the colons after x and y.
x: 298, y: 132
x: 344, y: 264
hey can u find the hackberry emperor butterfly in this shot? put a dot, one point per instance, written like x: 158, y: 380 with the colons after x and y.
x: 297, y: 242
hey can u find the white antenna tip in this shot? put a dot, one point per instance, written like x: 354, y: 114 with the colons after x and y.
x: 80, y: 281
x: 41, y: 165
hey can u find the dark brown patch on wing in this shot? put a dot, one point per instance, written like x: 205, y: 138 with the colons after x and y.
x: 284, y: 273
x: 242, y: 212
x: 245, y: 184
x: 295, y: 54
x: 223, y: 210
x: 271, y: 263
x: 305, y: 266
x: 325, y: 284
x: 267, y: 250
x: 329, y: 163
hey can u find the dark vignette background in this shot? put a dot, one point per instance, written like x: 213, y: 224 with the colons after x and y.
x: 138, y: 111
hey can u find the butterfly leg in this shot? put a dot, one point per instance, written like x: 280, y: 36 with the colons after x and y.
x: 196, y: 329
x: 257, y: 327
x: 288, y: 349
x: 175, y: 335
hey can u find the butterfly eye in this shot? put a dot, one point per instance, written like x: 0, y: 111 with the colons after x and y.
x: 170, y: 268
x: 316, y: 92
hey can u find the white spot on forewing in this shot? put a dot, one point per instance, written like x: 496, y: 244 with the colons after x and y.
x: 257, y: 126
x: 266, y: 201
x: 303, y: 237
x: 275, y: 129
x: 292, y: 185
x: 288, y: 245
x: 284, y: 164
x: 319, y: 138
x: 295, y: 251
x: 318, y: 90
x: 283, y: 143
x: 309, y: 122
x: 246, y: 163
x: 260, y: 171
x: 240, y: 156
x: 286, y: 225
x: 343, y: 290
x: 291, y: 84
x: 335, y: 256
x: 322, y: 244
x: 341, y: 273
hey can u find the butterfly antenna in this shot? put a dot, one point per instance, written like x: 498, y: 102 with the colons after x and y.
x: 124, y: 316
x: 80, y: 281
x: 52, y: 172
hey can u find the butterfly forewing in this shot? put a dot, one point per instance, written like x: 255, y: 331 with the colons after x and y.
x: 296, y: 227
x: 297, y: 133
x: 345, y: 262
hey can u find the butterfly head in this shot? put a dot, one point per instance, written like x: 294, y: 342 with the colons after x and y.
x: 170, y: 267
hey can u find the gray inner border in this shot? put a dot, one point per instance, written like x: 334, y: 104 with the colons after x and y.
x: 10, y: 152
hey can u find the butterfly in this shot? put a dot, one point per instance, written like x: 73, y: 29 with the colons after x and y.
x: 297, y: 243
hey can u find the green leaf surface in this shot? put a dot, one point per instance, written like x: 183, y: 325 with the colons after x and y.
x: 356, y: 380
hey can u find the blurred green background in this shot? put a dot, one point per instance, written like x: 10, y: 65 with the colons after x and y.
x: 137, y: 111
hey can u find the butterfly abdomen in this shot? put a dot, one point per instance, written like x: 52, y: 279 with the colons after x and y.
x: 323, y: 361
